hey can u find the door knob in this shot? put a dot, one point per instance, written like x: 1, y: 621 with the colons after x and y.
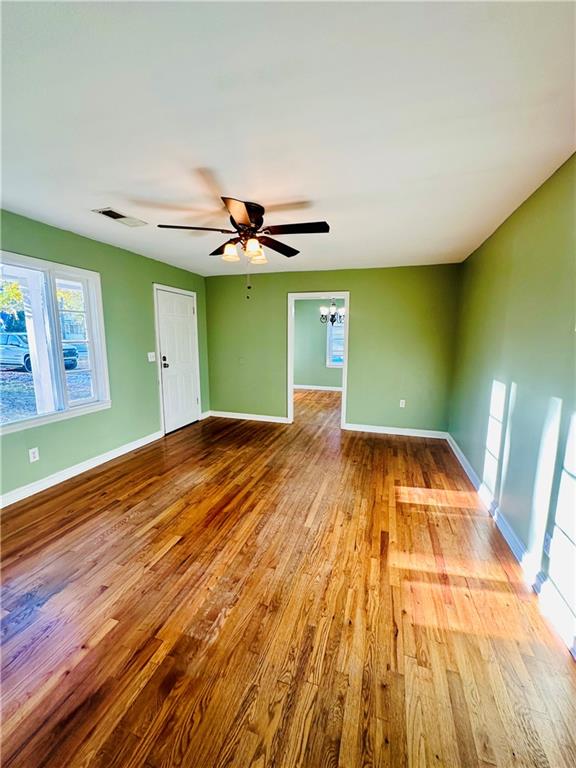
x: 165, y: 365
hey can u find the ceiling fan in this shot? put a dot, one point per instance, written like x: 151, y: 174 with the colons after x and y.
x: 248, y: 221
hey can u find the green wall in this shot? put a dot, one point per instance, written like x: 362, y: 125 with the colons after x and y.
x: 310, y: 346
x: 127, y: 295
x: 516, y: 327
x: 401, y: 335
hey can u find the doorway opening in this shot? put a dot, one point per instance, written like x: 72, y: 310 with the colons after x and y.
x: 318, y: 325
x: 177, y: 356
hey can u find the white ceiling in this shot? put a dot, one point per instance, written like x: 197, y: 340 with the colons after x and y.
x: 415, y: 128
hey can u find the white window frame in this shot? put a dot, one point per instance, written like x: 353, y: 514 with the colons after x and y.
x: 329, y: 329
x: 95, y: 322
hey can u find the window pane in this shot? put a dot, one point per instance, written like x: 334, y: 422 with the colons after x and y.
x: 17, y: 400
x: 70, y: 295
x: 72, y: 308
x: 75, y: 347
x: 79, y: 385
x: 336, y: 345
x: 76, y: 355
x: 26, y: 385
x: 73, y: 326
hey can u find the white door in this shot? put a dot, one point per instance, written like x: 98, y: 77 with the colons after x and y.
x: 177, y: 341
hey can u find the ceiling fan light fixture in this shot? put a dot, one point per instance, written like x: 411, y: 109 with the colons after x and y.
x: 259, y: 258
x: 230, y: 253
x: 253, y: 248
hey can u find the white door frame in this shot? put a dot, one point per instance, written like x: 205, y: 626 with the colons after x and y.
x: 159, y: 287
x: 314, y: 296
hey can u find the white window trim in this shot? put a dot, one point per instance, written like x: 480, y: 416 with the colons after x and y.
x: 92, y: 285
x: 328, y: 363
x: 48, y: 418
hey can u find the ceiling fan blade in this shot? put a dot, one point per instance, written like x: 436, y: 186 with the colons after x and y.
x: 296, y: 229
x: 276, y: 245
x: 220, y: 250
x: 291, y: 206
x: 244, y: 212
x: 180, y: 207
x: 213, y: 186
x: 237, y: 209
x: 197, y: 229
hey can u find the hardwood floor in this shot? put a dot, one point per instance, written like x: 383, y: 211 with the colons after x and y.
x: 251, y: 594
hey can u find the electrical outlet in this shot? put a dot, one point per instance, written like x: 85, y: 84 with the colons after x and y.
x: 33, y: 455
x: 402, y: 403
x: 151, y: 357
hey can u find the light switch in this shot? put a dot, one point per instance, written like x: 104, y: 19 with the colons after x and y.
x: 151, y: 357
x: 33, y: 455
x: 402, y: 403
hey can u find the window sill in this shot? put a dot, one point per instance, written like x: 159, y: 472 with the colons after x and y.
x: 39, y: 421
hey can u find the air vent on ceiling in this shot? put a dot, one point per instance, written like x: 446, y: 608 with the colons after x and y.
x: 128, y: 221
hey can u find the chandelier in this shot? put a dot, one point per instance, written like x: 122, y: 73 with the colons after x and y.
x: 332, y: 314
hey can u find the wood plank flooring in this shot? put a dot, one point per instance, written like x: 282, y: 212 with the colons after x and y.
x: 251, y: 594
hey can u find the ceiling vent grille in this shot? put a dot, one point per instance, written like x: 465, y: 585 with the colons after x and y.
x: 121, y: 218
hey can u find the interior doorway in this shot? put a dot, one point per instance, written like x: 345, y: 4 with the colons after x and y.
x: 318, y: 325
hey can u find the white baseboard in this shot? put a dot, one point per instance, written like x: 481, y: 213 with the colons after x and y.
x: 250, y: 417
x: 65, y: 474
x: 396, y: 431
x: 466, y: 466
x: 205, y: 415
x: 517, y: 546
x: 317, y: 387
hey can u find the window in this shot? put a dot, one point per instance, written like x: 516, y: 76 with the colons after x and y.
x: 52, y: 346
x: 335, y: 345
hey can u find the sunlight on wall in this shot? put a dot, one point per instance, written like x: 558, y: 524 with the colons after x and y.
x: 566, y: 506
x: 558, y: 593
x: 487, y: 490
x: 507, y: 442
x: 547, y: 453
